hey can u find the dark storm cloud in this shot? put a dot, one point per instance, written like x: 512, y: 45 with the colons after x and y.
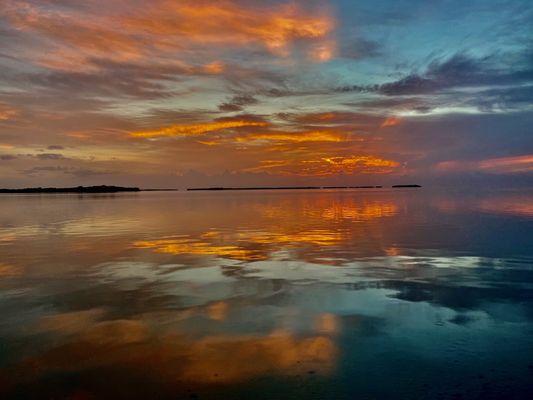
x: 7, y: 157
x: 55, y: 147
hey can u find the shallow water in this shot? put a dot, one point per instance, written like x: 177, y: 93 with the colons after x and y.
x: 342, y: 294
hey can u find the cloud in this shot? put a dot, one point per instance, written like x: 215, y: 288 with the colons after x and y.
x: 296, y: 137
x: 391, y: 121
x: 77, y: 34
x: 7, y: 112
x: 74, y: 171
x: 50, y: 156
x: 503, y: 165
x: 139, y: 88
x: 457, y: 71
x: 196, y: 129
x: 327, y: 166
x: 237, y: 103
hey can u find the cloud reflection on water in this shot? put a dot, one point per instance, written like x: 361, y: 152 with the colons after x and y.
x: 215, y: 291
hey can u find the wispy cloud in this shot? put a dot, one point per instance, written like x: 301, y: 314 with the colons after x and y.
x: 504, y: 165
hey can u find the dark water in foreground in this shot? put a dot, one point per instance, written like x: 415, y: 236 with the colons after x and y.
x: 406, y: 294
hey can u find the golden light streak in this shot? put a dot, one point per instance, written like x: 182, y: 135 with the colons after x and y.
x: 297, y: 137
x: 328, y: 166
x: 196, y: 129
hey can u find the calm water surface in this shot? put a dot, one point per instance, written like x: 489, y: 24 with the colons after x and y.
x: 407, y: 294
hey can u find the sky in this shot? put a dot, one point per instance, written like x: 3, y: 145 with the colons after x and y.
x: 179, y: 93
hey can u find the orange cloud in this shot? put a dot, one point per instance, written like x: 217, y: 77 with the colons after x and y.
x: 7, y: 112
x: 325, y: 166
x: 195, y: 129
x: 323, y: 52
x: 391, y: 121
x: 504, y: 165
x: 297, y: 137
x: 214, y: 68
x: 351, y: 120
x: 508, y: 164
x: 160, y: 31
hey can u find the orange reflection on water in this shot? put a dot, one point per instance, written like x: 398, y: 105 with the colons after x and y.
x: 244, y: 246
x: 319, y: 237
x: 87, y: 341
x: 218, y: 311
x: 327, y: 323
x: 191, y: 246
x: 366, y: 211
x: 8, y: 270
x: 237, y: 358
x: 513, y: 205
x: 520, y: 205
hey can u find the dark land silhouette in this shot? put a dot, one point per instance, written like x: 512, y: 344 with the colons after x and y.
x: 76, y: 189
x: 406, y: 186
x: 296, y: 187
x: 118, y: 189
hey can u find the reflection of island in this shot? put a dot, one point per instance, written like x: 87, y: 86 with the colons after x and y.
x: 76, y: 189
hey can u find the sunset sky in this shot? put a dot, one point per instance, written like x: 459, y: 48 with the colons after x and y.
x: 178, y: 93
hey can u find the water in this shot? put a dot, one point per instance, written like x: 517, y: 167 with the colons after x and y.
x: 366, y: 294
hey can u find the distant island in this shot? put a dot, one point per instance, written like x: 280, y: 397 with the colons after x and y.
x: 76, y: 189
x: 406, y: 186
x: 119, y: 189
x: 296, y: 187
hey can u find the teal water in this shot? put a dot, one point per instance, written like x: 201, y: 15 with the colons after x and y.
x: 367, y: 294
